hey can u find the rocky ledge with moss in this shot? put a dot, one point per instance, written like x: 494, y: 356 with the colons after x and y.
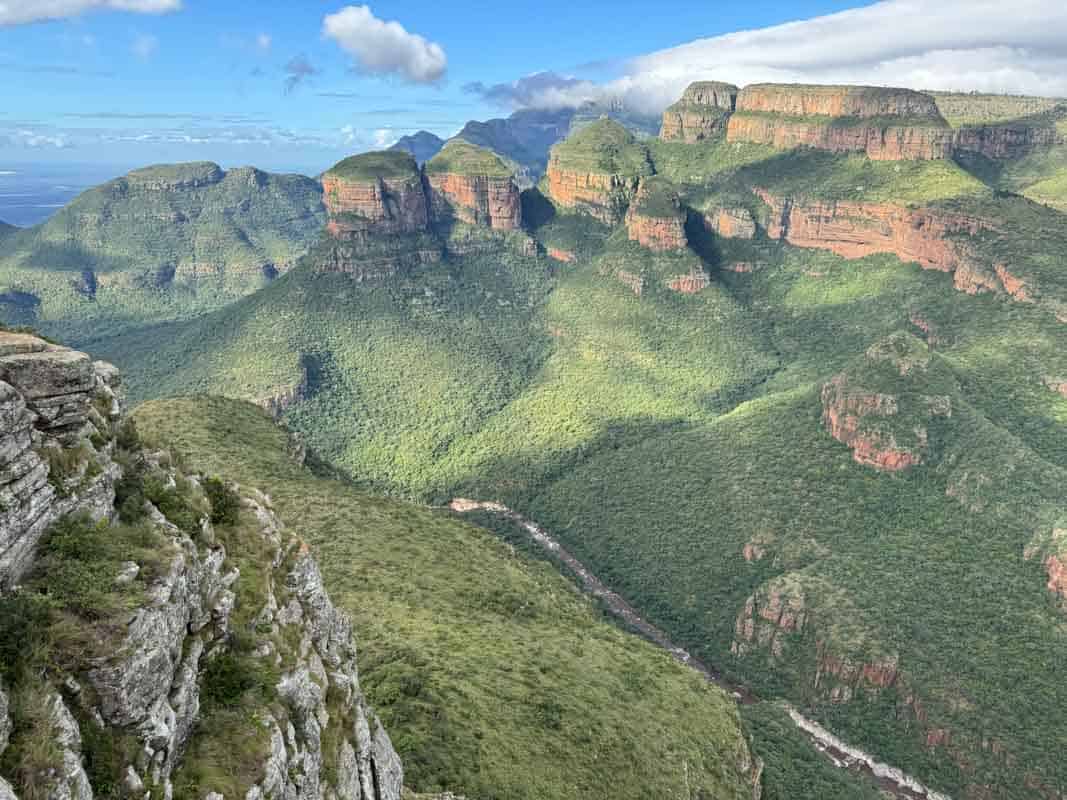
x: 161, y: 634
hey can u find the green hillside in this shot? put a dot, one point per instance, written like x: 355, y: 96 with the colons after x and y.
x: 164, y: 242
x: 385, y: 164
x: 679, y: 443
x: 494, y: 677
x: 463, y: 158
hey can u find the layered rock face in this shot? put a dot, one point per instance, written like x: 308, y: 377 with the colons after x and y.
x: 479, y: 200
x: 655, y: 218
x: 885, y: 124
x: 1005, y: 142
x: 731, y: 222
x: 932, y: 238
x: 866, y: 409
x: 701, y: 114
x: 472, y: 185
x: 379, y: 217
x: 56, y: 405
x: 597, y: 171
x: 191, y: 602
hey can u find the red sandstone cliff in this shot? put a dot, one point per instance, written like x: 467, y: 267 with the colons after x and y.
x: 933, y: 238
x: 378, y: 205
x: 1007, y: 141
x: 886, y: 124
x: 662, y: 230
x: 604, y: 197
x: 476, y: 200
x: 879, y: 142
x: 701, y: 114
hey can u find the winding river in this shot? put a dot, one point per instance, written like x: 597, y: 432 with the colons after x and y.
x: 841, y: 754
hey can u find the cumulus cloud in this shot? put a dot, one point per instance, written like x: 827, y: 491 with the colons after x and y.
x: 298, y: 70
x: 385, y: 48
x: 966, y: 45
x: 19, y: 12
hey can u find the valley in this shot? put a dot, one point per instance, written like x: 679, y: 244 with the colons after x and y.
x: 788, y: 376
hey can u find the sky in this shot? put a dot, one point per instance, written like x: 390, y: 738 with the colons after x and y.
x: 297, y: 85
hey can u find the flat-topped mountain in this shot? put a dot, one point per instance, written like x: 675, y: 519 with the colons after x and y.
x: 597, y: 170
x: 701, y: 113
x: 885, y: 124
x: 474, y: 186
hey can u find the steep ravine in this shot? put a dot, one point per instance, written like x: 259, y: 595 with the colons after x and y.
x: 888, y: 778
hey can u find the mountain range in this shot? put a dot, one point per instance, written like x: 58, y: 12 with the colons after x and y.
x: 787, y: 376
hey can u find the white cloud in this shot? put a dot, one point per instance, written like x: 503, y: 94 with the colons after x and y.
x: 384, y: 137
x: 38, y: 140
x: 383, y: 48
x: 145, y: 46
x: 264, y: 41
x: 981, y: 45
x: 19, y: 12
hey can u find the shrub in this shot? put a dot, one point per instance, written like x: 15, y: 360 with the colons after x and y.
x: 225, y: 503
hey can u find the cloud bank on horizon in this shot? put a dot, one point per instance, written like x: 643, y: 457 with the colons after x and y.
x: 20, y: 12
x: 963, y: 45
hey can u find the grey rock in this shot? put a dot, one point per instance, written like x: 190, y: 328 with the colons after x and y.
x: 67, y: 780
x: 6, y: 792
x: 5, y: 721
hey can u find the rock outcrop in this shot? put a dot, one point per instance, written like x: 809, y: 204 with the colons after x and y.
x: 883, y: 420
x: 730, y: 222
x: 656, y: 219
x: 935, y: 239
x: 597, y: 171
x: 701, y: 114
x: 885, y: 124
x: 195, y: 615
x: 769, y: 617
x: 379, y: 217
x: 1006, y: 141
x: 58, y: 411
x: 472, y: 185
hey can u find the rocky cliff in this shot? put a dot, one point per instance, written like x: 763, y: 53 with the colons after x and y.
x: 472, y: 185
x: 935, y: 239
x: 884, y: 406
x: 163, y: 634
x: 1006, y: 141
x: 379, y: 217
x: 58, y: 412
x: 885, y: 124
x: 701, y: 114
x: 597, y: 171
x: 656, y: 219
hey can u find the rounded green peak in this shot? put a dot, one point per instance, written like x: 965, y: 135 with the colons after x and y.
x: 384, y: 164
x: 604, y: 147
x: 463, y: 158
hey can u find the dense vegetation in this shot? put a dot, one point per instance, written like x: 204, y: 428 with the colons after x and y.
x: 383, y: 164
x: 463, y: 158
x: 165, y: 242
x: 605, y: 147
x: 492, y: 674
x: 668, y: 439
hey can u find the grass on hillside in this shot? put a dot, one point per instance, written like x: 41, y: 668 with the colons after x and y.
x: 492, y: 675
x: 384, y: 164
x: 962, y: 109
x: 657, y: 197
x: 463, y: 158
x: 603, y: 147
x: 829, y: 176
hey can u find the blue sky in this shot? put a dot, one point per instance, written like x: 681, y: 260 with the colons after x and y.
x: 297, y: 85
